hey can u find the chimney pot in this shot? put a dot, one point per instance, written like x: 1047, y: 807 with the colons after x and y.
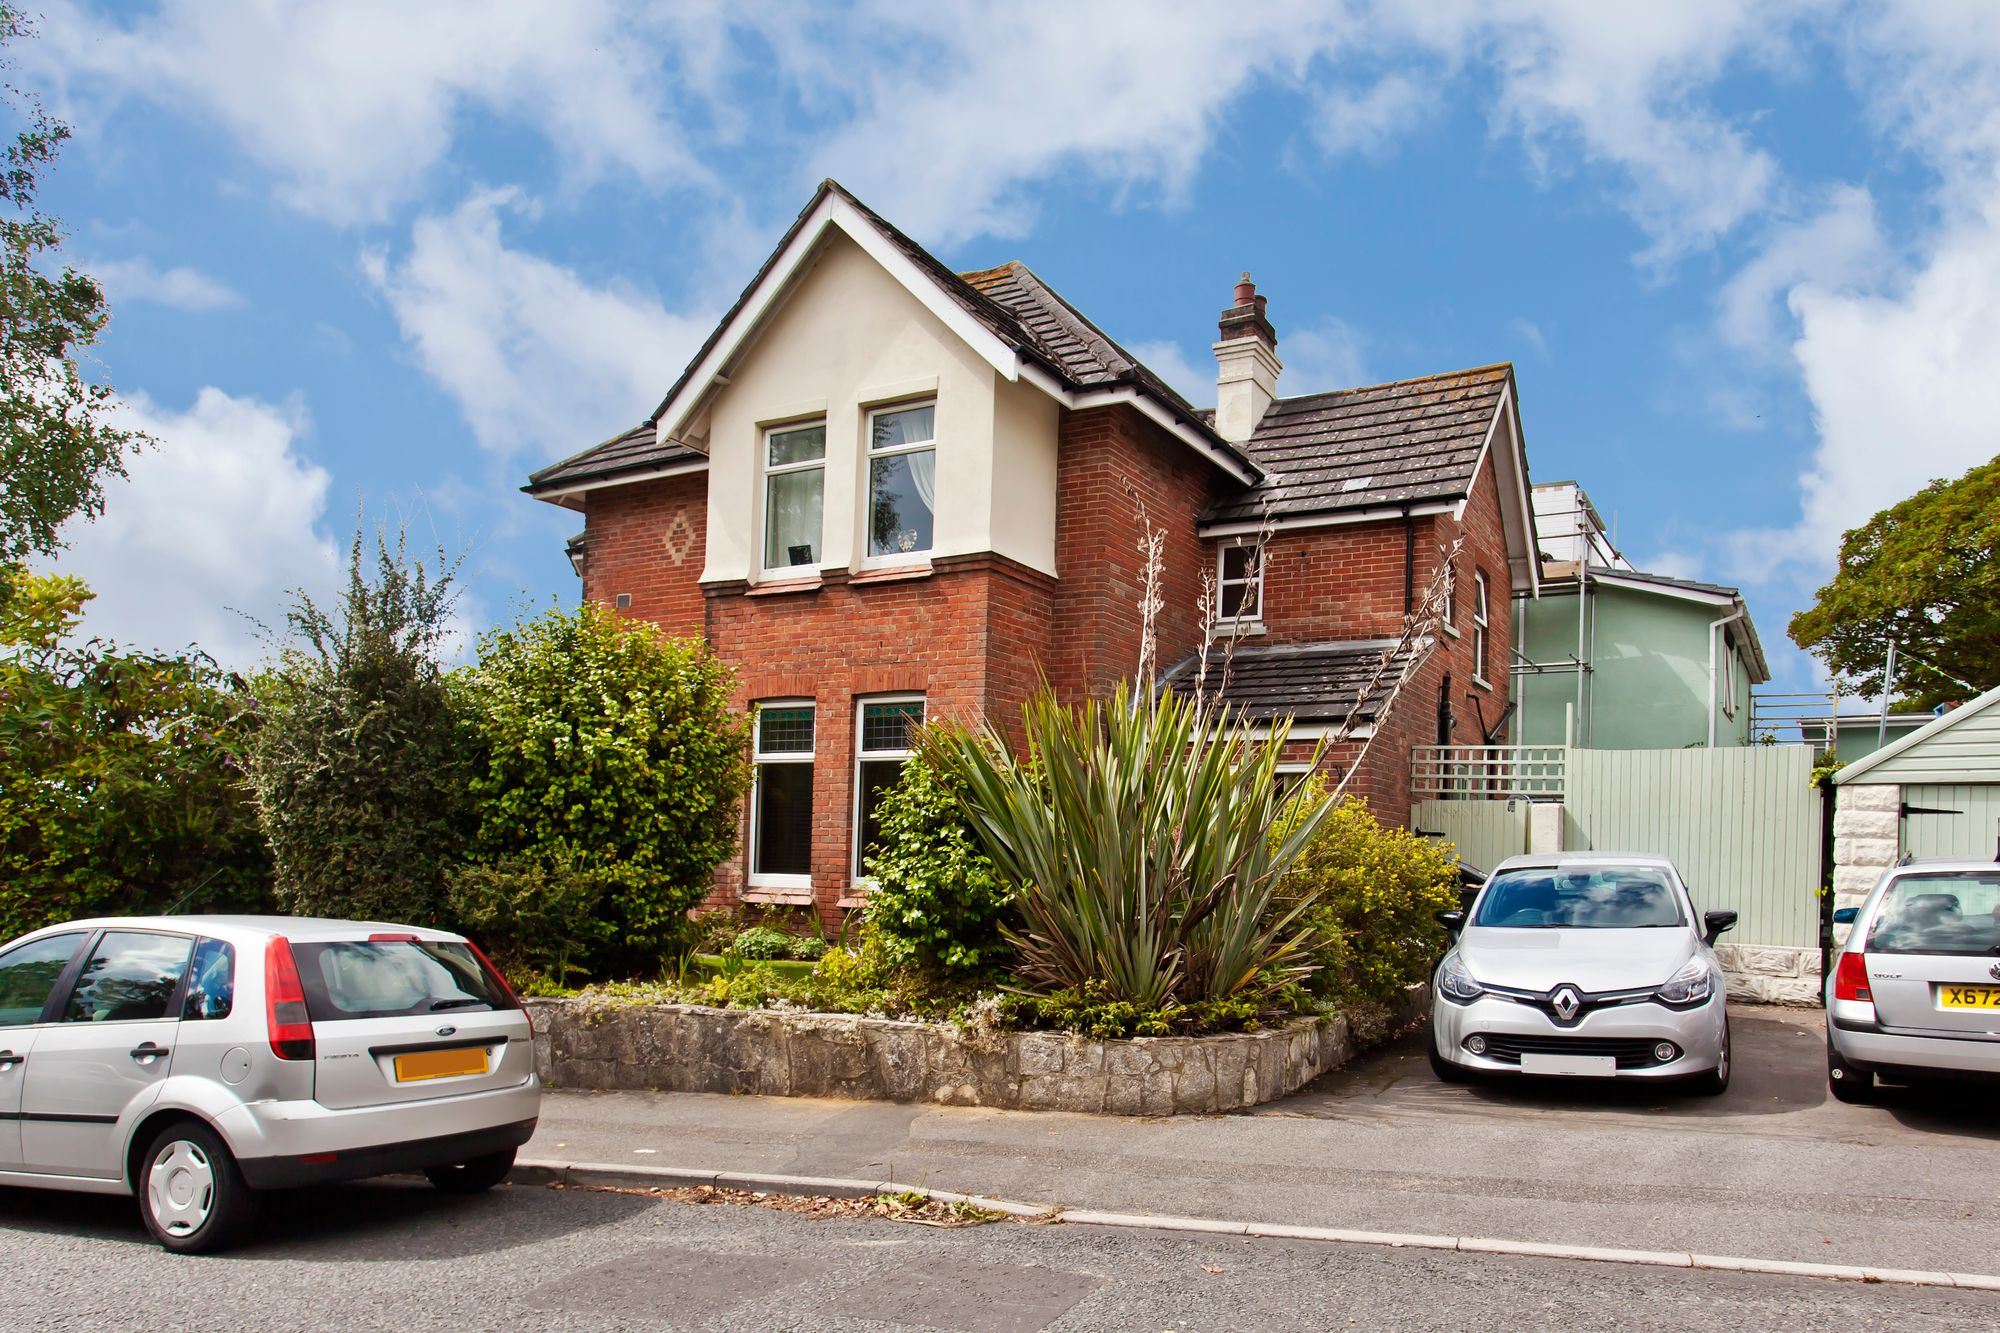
x: 1246, y: 290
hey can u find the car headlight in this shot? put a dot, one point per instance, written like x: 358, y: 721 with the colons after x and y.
x: 1691, y: 985
x: 1455, y: 981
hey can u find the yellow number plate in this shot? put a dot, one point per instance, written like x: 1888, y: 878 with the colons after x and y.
x: 420, y: 1065
x: 1969, y: 997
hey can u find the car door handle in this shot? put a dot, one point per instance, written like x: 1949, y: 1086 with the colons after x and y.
x: 8, y: 1060
x: 147, y: 1051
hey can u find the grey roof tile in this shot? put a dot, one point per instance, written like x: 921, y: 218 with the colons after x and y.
x: 1312, y: 682
x: 635, y: 450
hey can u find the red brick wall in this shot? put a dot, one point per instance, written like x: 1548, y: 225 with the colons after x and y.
x: 649, y: 540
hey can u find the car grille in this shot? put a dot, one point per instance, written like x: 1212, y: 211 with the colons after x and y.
x: 1630, y: 1052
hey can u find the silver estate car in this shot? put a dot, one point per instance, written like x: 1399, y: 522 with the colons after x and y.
x: 1586, y: 965
x: 1915, y: 992
x: 196, y: 1061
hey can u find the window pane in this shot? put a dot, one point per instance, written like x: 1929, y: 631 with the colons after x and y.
x: 132, y: 975
x: 900, y: 492
x: 1239, y: 562
x: 877, y: 777
x: 1939, y: 914
x: 912, y: 425
x: 785, y: 730
x: 392, y: 978
x: 792, y: 518
x: 1239, y: 600
x: 804, y: 445
x: 784, y: 819
x: 29, y: 973
x: 891, y: 726
x: 211, y: 981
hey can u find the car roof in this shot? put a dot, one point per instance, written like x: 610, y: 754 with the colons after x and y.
x: 299, y: 929
x: 1978, y: 865
x: 1561, y: 860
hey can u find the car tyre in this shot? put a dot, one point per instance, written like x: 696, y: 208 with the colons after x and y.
x: 1846, y: 1082
x: 192, y: 1195
x: 1715, y: 1082
x: 473, y: 1177
x: 1446, y: 1071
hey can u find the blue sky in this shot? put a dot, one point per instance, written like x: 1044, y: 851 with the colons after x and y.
x: 383, y: 258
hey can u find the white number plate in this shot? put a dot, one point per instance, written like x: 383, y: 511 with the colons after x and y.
x: 1574, y: 1066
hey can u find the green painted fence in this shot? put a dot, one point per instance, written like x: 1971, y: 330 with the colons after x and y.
x: 1485, y: 832
x: 1972, y: 832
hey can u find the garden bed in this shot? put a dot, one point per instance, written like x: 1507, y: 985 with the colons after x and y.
x: 594, y: 1044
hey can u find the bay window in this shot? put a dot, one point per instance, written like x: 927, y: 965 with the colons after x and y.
x: 781, y: 799
x: 885, y: 736
x: 902, y: 481
x: 794, y: 495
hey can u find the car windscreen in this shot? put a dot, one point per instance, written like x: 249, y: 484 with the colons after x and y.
x: 1580, y: 898
x: 393, y: 978
x: 1955, y: 912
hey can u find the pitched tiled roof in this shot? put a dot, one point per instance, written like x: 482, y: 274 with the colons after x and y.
x: 1312, y: 682
x: 1018, y: 307
x: 1384, y: 445
x: 636, y: 450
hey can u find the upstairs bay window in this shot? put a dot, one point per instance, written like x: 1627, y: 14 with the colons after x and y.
x: 781, y: 800
x: 886, y: 736
x: 1240, y: 584
x: 902, y: 482
x: 794, y: 496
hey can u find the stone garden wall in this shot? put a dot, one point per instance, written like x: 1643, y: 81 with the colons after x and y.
x: 685, y: 1048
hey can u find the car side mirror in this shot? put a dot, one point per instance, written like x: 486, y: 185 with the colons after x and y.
x: 1716, y: 923
x: 1452, y: 920
x: 1844, y: 916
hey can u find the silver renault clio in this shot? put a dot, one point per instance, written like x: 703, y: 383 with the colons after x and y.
x: 1585, y: 965
x: 196, y: 1061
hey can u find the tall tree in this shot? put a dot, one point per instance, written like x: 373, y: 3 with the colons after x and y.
x: 58, y: 440
x: 1925, y: 575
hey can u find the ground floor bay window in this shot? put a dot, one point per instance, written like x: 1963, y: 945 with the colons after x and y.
x: 885, y: 736
x: 781, y: 799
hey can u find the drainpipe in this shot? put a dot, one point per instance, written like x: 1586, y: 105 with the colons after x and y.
x: 1409, y: 562
x: 1714, y: 637
x: 1582, y: 654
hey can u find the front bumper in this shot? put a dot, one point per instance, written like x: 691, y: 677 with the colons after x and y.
x: 1697, y: 1032
x: 283, y: 1143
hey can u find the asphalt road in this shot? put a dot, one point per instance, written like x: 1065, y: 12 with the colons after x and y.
x: 1773, y: 1169
x: 397, y: 1255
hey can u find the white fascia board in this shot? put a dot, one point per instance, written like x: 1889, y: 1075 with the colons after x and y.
x: 833, y: 211
x: 1665, y: 590
x: 1308, y: 731
x: 1079, y: 400
x: 1517, y: 472
x: 1381, y: 514
x: 563, y: 495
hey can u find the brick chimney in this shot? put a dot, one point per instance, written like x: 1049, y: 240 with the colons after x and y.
x: 1247, y: 365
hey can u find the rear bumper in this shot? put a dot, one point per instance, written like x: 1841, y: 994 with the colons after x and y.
x: 279, y: 1173
x: 1892, y: 1053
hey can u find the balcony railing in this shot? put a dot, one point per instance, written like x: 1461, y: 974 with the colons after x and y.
x: 1488, y: 772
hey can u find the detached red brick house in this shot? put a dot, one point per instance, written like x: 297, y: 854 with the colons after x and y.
x: 885, y: 491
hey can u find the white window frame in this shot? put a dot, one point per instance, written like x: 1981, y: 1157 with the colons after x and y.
x: 1480, y: 627
x: 1450, y: 621
x: 869, y: 453
x: 1221, y: 565
x: 769, y: 471
x: 856, y: 876
x: 758, y: 758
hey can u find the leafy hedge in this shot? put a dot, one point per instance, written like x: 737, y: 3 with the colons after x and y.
x: 938, y: 902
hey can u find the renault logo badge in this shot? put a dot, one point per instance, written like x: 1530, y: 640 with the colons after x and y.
x: 1566, y: 1002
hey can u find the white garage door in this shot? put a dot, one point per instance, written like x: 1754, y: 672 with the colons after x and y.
x: 1974, y: 830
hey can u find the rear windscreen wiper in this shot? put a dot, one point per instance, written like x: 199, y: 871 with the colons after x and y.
x: 453, y: 1004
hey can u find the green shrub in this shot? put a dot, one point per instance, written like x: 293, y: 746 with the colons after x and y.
x: 938, y: 900
x: 1092, y: 1011
x: 762, y: 942
x: 1146, y: 838
x: 600, y: 743
x: 1370, y: 895
x: 533, y: 919
x: 713, y: 930
x: 356, y: 765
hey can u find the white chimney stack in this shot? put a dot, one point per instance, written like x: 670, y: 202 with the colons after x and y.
x: 1246, y: 364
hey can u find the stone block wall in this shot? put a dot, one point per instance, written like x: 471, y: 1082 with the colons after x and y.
x: 1867, y: 839
x: 1770, y: 974
x: 686, y: 1048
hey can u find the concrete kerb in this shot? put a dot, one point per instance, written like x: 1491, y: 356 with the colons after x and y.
x: 611, y: 1176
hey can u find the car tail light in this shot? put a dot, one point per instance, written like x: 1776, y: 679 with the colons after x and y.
x: 501, y: 982
x: 1850, y: 979
x: 285, y: 1003
x: 386, y: 937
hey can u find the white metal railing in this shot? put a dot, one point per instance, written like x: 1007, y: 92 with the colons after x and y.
x: 1488, y: 772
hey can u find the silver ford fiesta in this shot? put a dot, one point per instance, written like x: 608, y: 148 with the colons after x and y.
x: 1582, y: 965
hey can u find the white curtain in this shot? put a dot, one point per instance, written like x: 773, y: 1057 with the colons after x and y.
x: 923, y: 475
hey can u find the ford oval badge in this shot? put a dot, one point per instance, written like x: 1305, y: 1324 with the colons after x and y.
x: 447, y: 1031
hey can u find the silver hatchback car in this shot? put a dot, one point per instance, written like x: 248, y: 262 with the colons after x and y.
x: 1915, y: 992
x: 1586, y: 965
x: 196, y: 1061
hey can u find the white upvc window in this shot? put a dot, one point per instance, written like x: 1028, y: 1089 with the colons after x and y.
x: 781, y: 797
x: 1479, y: 627
x: 885, y: 735
x: 902, y: 483
x: 1451, y: 599
x: 794, y: 496
x: 1239, y: 583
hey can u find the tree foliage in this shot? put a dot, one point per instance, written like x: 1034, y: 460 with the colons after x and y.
x: 57, y: 438
x: 1924, y: 574
x: 357, y: 770
x: 938, y: 900
x: 121, y: 780
x: 614, y: 752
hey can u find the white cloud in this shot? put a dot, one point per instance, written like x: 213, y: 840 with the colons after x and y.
x: 1371, y: 121
x: 1323, y: 355
x: 179, y: 288
x: 538, y: 359
x: 351, y: 102
x: 215, y: 523
x: 1835, y: 247
x: 1530, y: 335
x: 1170, y: 363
